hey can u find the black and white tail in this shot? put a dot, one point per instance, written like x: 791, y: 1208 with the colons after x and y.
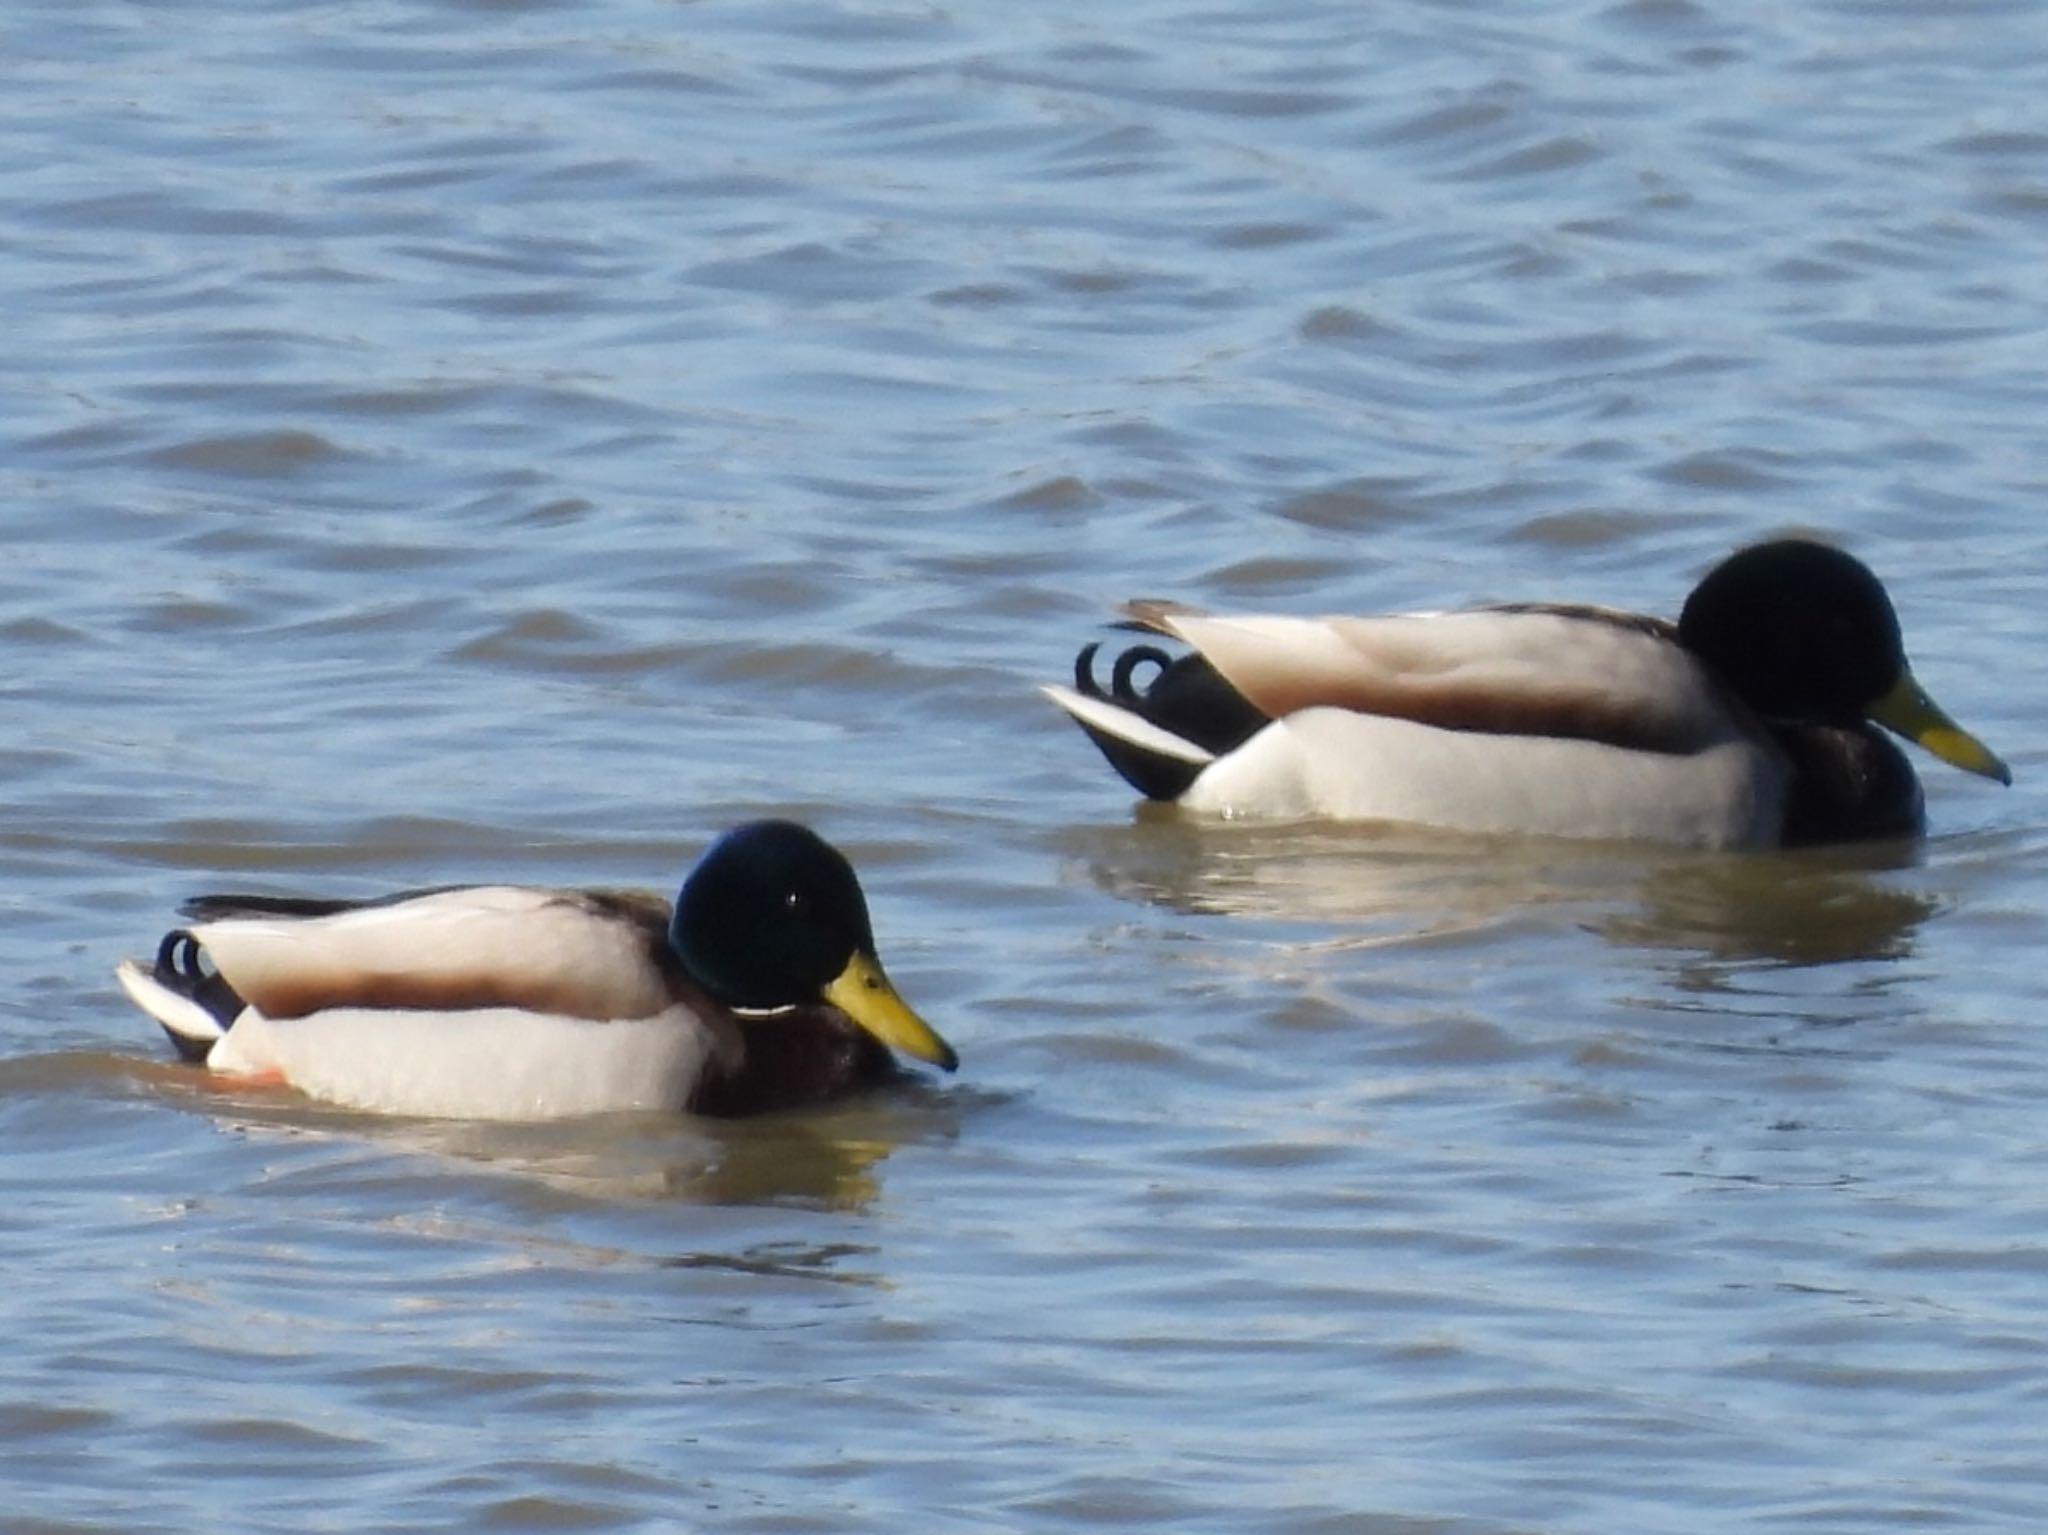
x: 192, y: 1002
x: 1162, y: 737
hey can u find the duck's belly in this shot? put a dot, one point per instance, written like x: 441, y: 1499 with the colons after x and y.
x: 1355, y: 767
x: 485, y: 1063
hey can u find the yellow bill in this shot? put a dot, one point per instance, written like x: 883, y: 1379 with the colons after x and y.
x: 864, y: 994
x: 1908, y: 710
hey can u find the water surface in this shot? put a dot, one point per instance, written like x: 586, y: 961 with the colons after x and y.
x: 450, y: 440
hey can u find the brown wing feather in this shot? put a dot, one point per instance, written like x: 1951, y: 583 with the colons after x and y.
x: 590, y: 954
x: 1156, y: 614
x: 1532, y: 670
x: 1638, y: 623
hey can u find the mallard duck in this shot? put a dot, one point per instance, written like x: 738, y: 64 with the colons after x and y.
x: 1748, y: 723
x: 758, y: 989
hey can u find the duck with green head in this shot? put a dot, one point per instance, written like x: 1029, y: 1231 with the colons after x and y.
x: 1750, y: 722
x: 759, y: 988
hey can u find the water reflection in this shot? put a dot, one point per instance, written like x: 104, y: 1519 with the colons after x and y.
x: 787, y: 1160
x: 1402, y: 885
x: 1790, y: 909
x: 821, y: 1159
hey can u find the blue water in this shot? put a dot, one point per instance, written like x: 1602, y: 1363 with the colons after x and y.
x: 453, y: 440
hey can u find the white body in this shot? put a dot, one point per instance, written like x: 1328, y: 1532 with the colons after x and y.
x: 1361, y: 767
x: 576, y: 1016
x: 486, y: 1063
x: 1579, y: 723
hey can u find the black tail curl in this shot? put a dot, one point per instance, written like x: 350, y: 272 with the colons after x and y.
x: 178, y: 960
x: 1120, y: 690
x: 181, y: 967
x: 1185, y: 696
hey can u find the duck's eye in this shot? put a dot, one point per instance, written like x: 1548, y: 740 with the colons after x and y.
x: 793, y: 901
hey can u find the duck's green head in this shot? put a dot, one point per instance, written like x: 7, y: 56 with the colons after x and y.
x: 1804, y: 632
x: 773, y: 917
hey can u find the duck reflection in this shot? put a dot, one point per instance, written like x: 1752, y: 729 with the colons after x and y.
x: 1822, y: 908
x: 1401, y: 884
x: 824, y: 1162
x: 824, y: 1159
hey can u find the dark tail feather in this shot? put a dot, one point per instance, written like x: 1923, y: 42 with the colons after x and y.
x: 181, y: 968
x: 1186, y: 697
x: 212, y: 908
x: 215, y: 908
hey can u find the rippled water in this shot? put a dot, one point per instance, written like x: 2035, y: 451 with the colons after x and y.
x: 456, y: 439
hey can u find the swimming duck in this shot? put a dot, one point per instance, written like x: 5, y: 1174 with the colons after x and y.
x: 759, y: 989
x: 1748, y: 723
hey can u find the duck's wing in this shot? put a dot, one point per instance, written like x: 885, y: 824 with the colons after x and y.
x: 490, y: 1001
x: 1580, y: 673
x: 590, y: 954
